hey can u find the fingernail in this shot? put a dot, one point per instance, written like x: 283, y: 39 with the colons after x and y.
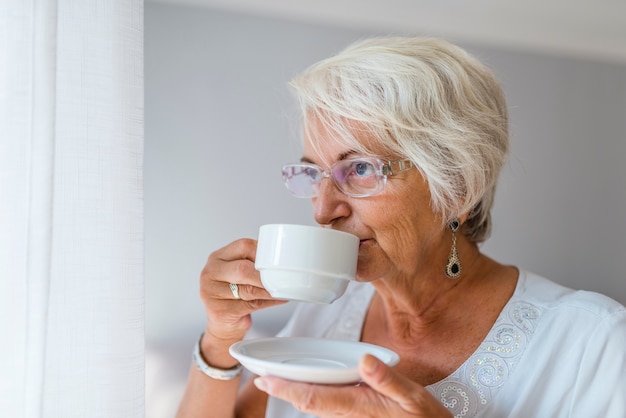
x: 260, y: 384
x: 369, y: 364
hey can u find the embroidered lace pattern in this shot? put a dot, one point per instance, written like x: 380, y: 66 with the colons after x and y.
x: 470, y: 388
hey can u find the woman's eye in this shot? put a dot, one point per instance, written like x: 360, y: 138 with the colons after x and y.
x: 311, y: 173
x: 363, y: 169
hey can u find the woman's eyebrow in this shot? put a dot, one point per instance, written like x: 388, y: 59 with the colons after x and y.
x: 342, y: 156
x: 346, y: 155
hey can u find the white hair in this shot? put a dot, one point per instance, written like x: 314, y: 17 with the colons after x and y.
x: 423, y: 99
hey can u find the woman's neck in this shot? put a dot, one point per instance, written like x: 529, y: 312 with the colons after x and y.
x: 412, y: 308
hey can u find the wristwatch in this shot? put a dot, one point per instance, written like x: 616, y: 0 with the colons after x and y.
x: 214, y: 372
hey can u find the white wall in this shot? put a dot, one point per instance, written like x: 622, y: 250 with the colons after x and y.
x: 217, y: 133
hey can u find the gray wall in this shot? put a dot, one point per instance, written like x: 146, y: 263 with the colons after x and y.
x: 218, y: 129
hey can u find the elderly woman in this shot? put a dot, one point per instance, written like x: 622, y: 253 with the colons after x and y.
x: 404, y: 139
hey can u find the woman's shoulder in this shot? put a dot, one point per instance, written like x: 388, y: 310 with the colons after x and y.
x: 549, y: 295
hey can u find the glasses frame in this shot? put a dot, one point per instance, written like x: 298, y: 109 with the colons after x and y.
x: 383, y: 170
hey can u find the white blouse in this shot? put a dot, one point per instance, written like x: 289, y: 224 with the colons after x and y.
x: 552, y: 352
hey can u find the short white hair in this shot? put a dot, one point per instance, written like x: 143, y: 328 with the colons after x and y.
x: 423, y: 99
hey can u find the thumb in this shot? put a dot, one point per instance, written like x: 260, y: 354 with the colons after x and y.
x: 385, y: 380
x: 410, y: 396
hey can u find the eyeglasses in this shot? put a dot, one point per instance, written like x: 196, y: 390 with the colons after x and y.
x: 357, y: 177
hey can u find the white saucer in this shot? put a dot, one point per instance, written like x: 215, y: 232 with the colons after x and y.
x: 308, y: 359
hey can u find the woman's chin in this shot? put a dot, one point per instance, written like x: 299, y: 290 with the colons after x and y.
x: 365, y: 272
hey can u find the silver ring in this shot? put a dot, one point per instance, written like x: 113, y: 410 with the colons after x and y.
x: 235, y: 289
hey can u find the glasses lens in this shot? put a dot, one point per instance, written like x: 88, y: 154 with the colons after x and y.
x: 302, y: 180
x: 359, y: 177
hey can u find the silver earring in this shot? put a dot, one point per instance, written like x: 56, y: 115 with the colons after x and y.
x: 453, y: 266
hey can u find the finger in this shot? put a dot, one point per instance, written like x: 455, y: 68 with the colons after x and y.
x: 231, y: 311
x: 384, y: 380
x: 413, y: 398
x: 244, y: 248
x: 220, y: 271
x: 242, y: 292
x: 216, y: 283
x: 310, y: 398
x: 234, y: 264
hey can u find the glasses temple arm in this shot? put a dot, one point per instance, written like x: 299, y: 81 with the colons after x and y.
x: 397, y: 166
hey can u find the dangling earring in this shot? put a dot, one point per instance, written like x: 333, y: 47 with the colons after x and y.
x: 453, y: 266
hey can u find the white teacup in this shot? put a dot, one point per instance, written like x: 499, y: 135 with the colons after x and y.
x: 306, y: 263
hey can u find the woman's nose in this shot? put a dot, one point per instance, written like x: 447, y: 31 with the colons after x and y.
x: 330, y: 204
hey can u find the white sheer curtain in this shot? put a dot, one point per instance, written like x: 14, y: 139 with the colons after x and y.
x: 71, y: 208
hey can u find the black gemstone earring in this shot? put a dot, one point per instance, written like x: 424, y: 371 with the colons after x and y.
x: 453, y: 266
